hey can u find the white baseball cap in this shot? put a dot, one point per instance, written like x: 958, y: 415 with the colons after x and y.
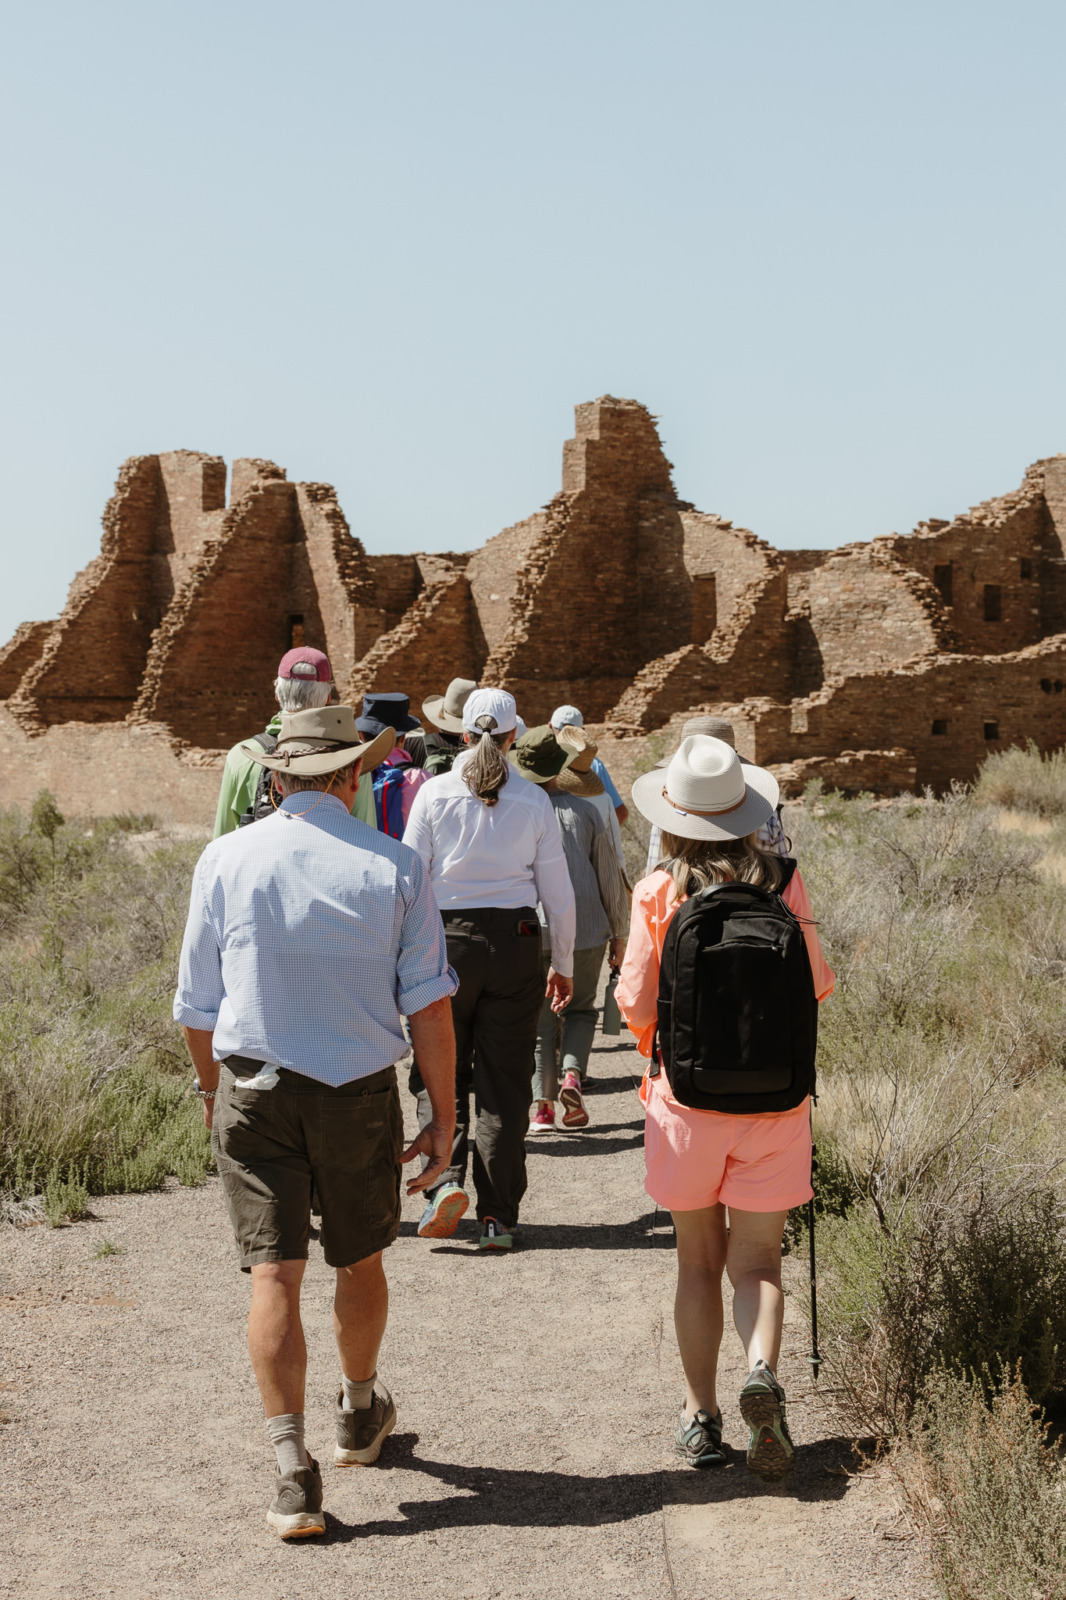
x: 567, y: 717
x: 520, y: 729
x: 494, y: 703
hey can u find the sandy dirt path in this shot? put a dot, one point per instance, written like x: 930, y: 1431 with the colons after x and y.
x: 537, y: 1399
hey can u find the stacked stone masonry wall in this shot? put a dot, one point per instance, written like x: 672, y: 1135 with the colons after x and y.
x: 882, y: 665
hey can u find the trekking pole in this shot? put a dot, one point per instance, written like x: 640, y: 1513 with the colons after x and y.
x: 814, y: 1358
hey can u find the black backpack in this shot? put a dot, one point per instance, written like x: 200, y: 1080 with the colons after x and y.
x: 737, y: 1013
x: 262, y: 805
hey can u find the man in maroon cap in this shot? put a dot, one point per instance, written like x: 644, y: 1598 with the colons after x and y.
x: 304, y: 683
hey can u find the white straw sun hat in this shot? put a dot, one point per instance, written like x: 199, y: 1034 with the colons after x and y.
x: 705, y: 792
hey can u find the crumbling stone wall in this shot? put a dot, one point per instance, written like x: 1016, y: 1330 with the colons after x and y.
x: 22, y: 651
x: 903, y: 660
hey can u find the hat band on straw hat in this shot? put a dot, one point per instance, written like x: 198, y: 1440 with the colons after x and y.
x: 690, y: 811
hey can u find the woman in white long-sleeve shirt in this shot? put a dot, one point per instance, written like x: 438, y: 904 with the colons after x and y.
x: 490, y: 843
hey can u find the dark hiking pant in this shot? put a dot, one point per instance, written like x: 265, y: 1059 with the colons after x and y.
x: 497, y: 957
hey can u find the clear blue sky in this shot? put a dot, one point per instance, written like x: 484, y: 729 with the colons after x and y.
x: 391, y: 245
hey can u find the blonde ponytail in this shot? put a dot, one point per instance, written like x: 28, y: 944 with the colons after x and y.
x: 487, y: 769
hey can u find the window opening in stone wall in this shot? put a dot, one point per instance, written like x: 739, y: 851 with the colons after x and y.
x: 942, y: 578
x: 1045, y: 684
x: 991, y: 730
x: 940, y: 726
x: 1026, y: 567
x: 993, y: 602
x: 297, y: 635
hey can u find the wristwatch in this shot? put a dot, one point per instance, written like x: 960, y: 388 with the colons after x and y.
x: 205, y: 1094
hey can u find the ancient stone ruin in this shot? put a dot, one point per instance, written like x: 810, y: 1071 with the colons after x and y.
x: 886, y: 665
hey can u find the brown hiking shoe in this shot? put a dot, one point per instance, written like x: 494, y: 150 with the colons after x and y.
x: 361, y: 1434
x: 297, y: 1509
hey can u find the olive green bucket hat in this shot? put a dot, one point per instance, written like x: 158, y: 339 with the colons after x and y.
x: 538, y: 755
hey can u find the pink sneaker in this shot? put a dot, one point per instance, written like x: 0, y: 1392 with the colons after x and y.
x: 574, y: 1113
x: 542, y: 1120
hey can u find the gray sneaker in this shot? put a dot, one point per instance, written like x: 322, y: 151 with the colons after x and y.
x: 699, y: 1442
x: 771, y: 1453
x: 361, y: 1434
x: 297, y: 1509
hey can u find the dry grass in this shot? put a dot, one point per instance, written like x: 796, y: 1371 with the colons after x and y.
x: 942, y: 1118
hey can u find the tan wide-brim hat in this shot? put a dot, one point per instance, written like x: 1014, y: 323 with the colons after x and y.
x: 706, y: 792
x: 445, y: 710
x: 324, y: 739
x: 578, y: 777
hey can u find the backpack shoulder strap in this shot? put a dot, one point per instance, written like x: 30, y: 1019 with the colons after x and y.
x: 788, y: 867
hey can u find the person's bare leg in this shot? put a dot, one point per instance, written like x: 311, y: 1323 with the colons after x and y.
x: 753, y: 1262
x: 698, y: 1315
x: 276, y: 1336
x: 360, y: 1311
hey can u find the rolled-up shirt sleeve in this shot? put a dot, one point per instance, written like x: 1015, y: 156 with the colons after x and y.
x: 423, y: 974
x: 200, y: 989
x: 556, y: 893
x: 798, y: 902
x: 638, y: 981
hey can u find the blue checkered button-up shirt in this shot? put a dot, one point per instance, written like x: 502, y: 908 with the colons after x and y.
x: 308, y: 937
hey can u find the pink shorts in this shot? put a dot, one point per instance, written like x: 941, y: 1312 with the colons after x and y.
x: 703, y: 1158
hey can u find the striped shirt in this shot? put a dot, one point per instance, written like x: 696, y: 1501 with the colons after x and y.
x: 309, y: 935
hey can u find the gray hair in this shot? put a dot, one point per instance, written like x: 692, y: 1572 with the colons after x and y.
x: 295, y: 782
x: 302, y: 694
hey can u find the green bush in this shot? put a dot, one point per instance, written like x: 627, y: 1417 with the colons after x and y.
x: 971, y: 1292
x: 93, y: 1077
x: 986, y: 1491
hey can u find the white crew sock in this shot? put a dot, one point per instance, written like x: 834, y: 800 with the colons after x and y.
x: 358, y: 1396
x: 287, y: 1436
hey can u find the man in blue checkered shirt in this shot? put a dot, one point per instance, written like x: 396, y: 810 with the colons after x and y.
x: 309, y: 936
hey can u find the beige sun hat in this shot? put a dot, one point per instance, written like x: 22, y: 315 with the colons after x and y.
x: 706, y: 793
x: 446, y: 710
x: 577, y: 777
x: 312, y: 743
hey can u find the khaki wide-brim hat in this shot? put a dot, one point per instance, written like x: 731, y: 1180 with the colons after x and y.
x: 578, y: 777
x: 706, y: 793
x: 445, y: 710
x: 324, y: 739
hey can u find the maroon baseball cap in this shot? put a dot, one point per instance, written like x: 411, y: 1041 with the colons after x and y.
x: 304, y: 662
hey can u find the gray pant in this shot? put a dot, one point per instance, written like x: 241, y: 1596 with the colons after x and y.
x: 565, y: 1039
x: 497, y: 956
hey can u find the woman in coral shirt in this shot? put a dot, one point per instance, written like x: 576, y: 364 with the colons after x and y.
x: 702, y: 1163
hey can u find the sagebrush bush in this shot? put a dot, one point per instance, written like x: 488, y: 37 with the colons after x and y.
x: 987, y: 1491
x: 942, y: 1096
x: 92, y: 1075
x: 1024, y: 780
x: 970, y: 1290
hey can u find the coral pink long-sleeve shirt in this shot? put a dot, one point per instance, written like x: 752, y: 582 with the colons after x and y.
x: 654, y: 903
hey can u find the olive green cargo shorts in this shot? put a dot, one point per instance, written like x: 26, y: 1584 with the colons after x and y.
x: 272, y: 1145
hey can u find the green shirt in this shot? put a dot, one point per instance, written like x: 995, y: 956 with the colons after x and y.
x: 241, y: 774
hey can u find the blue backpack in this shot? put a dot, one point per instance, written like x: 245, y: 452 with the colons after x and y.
x: 388, y: 799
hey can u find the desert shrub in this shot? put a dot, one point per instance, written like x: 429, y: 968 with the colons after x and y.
x: 970, y: 1288
x: 986, y: 1490
x: 1024, y: 780
x: 941, y: 1082
x: 93, y: 1081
